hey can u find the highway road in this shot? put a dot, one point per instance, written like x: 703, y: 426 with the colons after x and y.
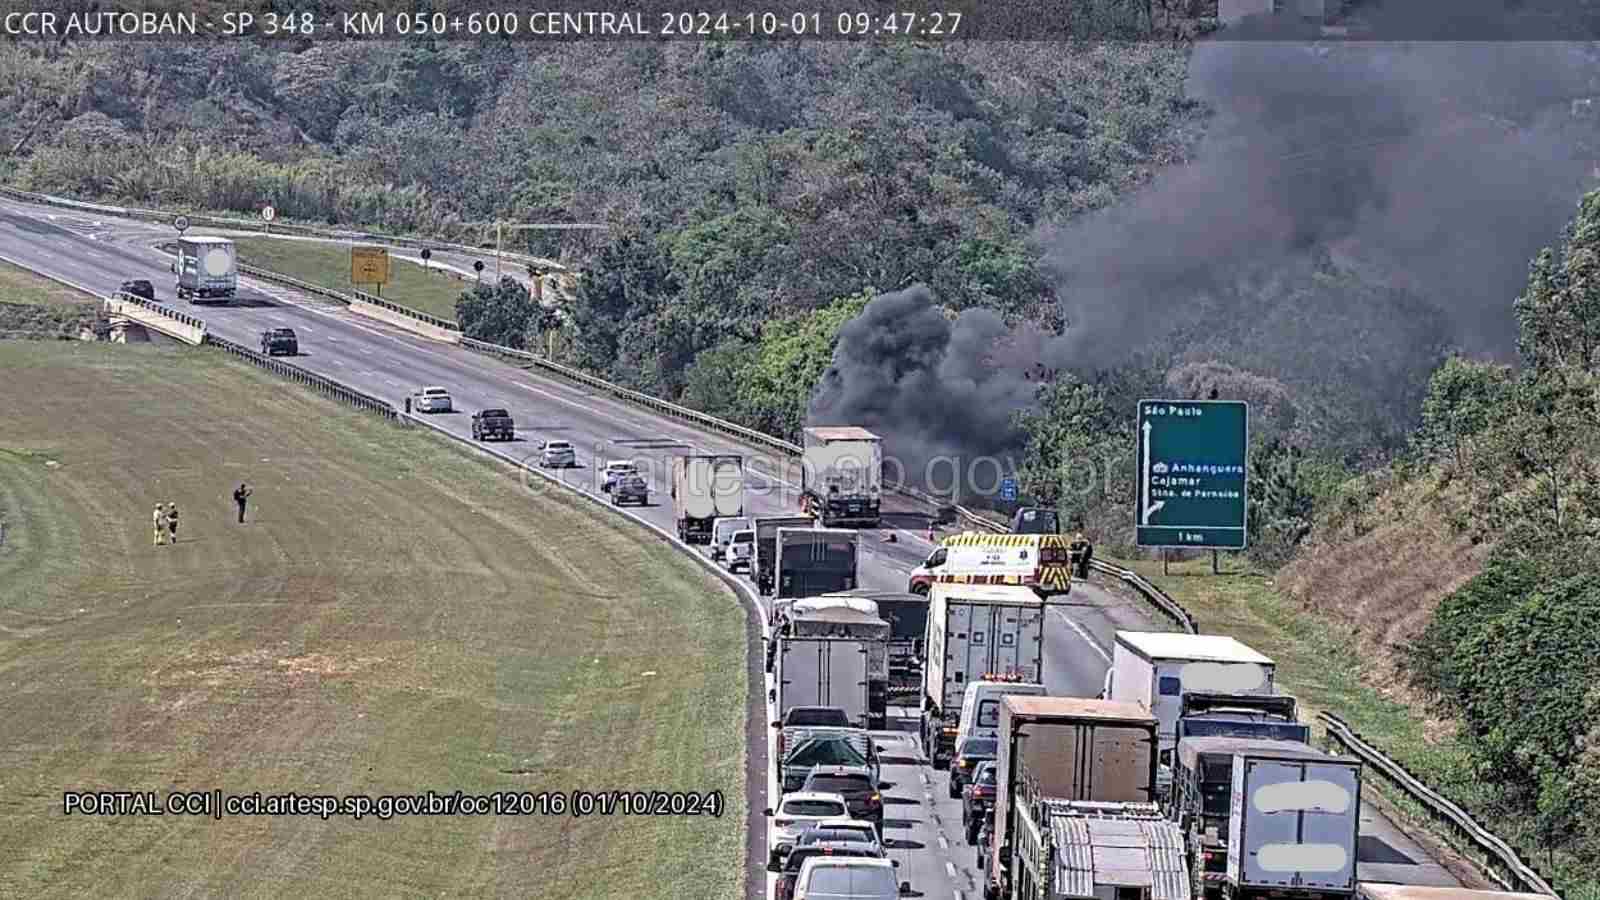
x: 923, y: 824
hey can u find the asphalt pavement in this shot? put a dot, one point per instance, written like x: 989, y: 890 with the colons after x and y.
x: 923, y: 823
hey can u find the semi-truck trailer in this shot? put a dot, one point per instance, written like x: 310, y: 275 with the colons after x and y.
x: 975, y: 633
x: 812, y: 561
x: 841, y: 474
x: 705, y: 488
x: 1294, y: 822
x: 1155, y: 670
x: 1062, y: 750
x: 833, y: 652
x: 207, y: 268
x: 765, y: 566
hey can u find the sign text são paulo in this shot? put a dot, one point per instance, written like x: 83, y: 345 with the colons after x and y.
x: 1192, y: 473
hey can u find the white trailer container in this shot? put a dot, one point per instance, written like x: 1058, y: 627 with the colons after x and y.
x: 1155, y: 669
x: 1373, y: 891
x: 833, y: 654
x: 976, y: 632
x: 705, y: 488
x: 207, y: 268
x: 841, y: 475
x: 1294, y: 824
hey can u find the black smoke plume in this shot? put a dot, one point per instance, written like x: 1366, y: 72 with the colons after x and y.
x: 1430, y: 173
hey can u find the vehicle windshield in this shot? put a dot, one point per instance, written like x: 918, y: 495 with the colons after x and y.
x: 819, y: 809
x: 986, y: 776
x: 435, y: 392
x: 826, y: 752
x: 818, y: 715
x: 857, y: 882
x: 496, y: 412
x: 799, y: 856
x: 863, y: 834
x: 979, y: 747
x: 989, y: 714
x: 558, y: 445
x: 743, y: 537
x: 839, y: 784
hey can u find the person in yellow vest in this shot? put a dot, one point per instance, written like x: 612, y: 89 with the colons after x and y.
x: 161, y: 525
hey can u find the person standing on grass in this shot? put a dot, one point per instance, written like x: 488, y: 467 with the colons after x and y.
x: 160, y: 522
x: 172, y: 521
x: 241, y: 497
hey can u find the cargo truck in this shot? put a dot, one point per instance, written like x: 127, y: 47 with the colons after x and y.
x: 207, y: 268
x: 1294, y: 822
x: 1086, y: 850
x: 1155, y: 670
x: 841, y: 474
x: 907, y: 615
x: 1065, y: 750
x: 705, y: 488
x: 765, y: 565
x: 975, y: 633
x: 812, y: 561
x: 832, y: 653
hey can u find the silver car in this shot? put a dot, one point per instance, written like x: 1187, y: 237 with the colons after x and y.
x: 432, y: 400
x: 558, y: 455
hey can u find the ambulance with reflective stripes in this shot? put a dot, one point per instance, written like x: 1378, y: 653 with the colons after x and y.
x: 1040, y: 561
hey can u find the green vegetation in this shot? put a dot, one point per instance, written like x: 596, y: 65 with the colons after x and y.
x: 34, y: 307
x: 395, y: 617
x: 432, y: 290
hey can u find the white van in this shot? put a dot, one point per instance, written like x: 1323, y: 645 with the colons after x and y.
x: 980, y: 706
x: 722, y: 533
x: 741, y: 550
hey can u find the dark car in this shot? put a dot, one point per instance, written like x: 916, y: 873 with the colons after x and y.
x: 493, y: 423
x: 977, y: 800
x: 810, y: 748
x: 139, y: 287
x: 803, y: 851
x: 855, y: 785
x: 971, y: 752
x: 806, y: 716
x: 280, y: 341
x: 630, y: 489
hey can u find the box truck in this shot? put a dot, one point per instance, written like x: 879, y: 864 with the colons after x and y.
x: 765, y: 565
x: 705, y: 488
x: 907, y: 615
x: 1064, y: 749
x: 1083, y: 850
x: 812, y: 561
x: 1294, y: 822
x: 975, y: 633
x: 832, y: 652
x: 207, y: 268
x: 841, y: 474
x: 1155, y: 669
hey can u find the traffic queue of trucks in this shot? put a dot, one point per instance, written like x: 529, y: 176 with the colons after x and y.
x: 1188, y: 778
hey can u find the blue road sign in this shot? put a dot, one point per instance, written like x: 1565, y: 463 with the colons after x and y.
x: 1008, y: 489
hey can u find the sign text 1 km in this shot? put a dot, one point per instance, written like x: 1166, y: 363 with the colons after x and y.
x: 1192, y: 474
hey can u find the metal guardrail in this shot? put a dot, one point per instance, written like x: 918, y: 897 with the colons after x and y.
x: 407, y: 311
x: 166, y: 217
x: 1500, y: 858
x: 324, y: 385
x: 160, y: 310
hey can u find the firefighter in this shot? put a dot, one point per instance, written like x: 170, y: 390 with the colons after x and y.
x: 172, y: 521
x: 161, y: 525
x: 241, y: 497
x: 1082, y: 552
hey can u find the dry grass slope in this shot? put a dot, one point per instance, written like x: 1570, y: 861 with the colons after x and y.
x: 395, y: 617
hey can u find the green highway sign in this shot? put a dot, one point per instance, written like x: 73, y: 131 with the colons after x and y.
x: 1192, y: 474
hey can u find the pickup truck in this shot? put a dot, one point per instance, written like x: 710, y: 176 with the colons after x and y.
x: 279, y: 340
x: 139, y: 287
x: 493, y: 423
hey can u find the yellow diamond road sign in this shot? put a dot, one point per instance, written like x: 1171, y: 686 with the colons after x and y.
x: 369, y: 265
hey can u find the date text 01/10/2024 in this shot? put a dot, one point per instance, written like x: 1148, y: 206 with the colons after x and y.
x: 215, y: 804
x: 626, y: 23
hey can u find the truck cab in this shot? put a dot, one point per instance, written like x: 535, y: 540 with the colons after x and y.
x: 1036, y: 520
x: 276, y: 341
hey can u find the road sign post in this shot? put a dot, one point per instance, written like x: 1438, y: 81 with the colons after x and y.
x: 181, y: 223
x: 267, y: 215
x: 1193, y: 473
x: 1008, y: 489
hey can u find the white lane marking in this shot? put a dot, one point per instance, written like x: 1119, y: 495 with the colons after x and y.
x: 943, y: 844
x: 1087, y: 637
x: 950, y: 868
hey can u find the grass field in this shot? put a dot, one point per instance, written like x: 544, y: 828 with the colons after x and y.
x: 429, y: 290
x: 396, y: 616
x: 19, y: 286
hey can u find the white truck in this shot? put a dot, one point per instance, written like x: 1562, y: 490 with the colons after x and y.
x: 207, y: 268
x: 1155, y: 669
x: 704, y: 488
x: 1295, y: 819
x: 833, y: 652
x: 976, y: 632
x: 841, y: 475
x: 1085, y: 850
x: 1375, y: 891
x: 764, y: 567
x: 1056, y: 751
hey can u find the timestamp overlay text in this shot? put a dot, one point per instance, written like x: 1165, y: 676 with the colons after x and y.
x: 219, y: 804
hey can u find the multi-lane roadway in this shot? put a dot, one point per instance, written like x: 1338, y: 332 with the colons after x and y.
x: 923, y: 824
